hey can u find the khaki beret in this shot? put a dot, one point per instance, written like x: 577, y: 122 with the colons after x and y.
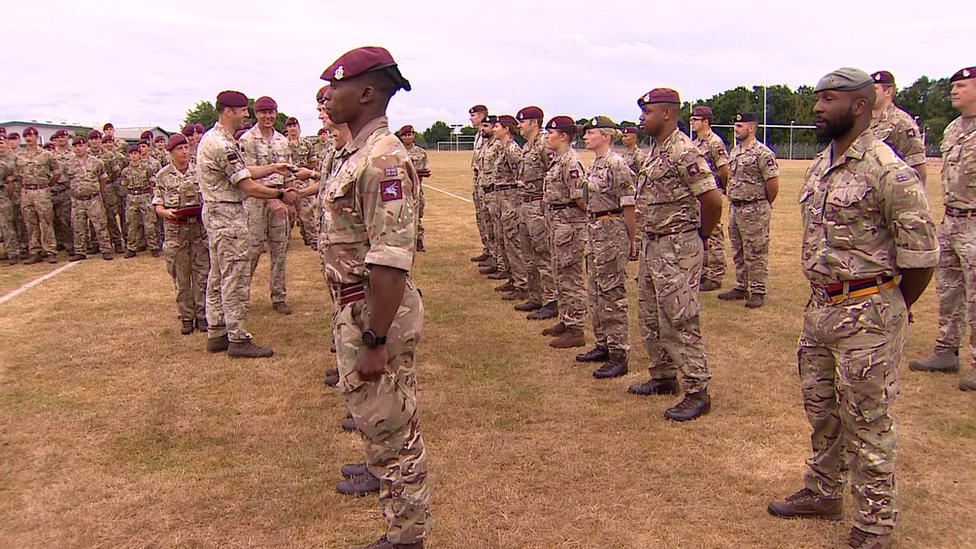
x: 844, y: 79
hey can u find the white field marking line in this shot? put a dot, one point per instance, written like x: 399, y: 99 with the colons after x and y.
x: 426, y: 186
x: 35, y: 282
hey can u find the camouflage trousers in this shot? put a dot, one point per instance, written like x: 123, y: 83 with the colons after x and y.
x: 141, y: 216
x: 8, y: 224
x: 668, y: 307
x: 496, y: 245
x: 307, y: 220
x: 38, y: 212
x: 421, y: 203
x: 481, y: 215
x: 188, y: 262
x: 112, y: 204
x: 848, y: 363
x: 714, y: 267
x: 509, y: 204
x: 606, y: 265
x: 568, y: 257
x: 387, y: 413
x: 229, y: 281
x: 955, y: 283
x: 535, y: 238
x: 267, y: 226
x: 61, y: 201
x: 749, y: 233
x: 83, y: 212
x: 19, y: 225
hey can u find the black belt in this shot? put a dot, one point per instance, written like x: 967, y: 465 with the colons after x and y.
x: 89, y: 197
x: 744, y: 202
x: 488, y: 189
x: 505, y: 187
x: 33, y: 187
x: 560, y: 207
x: 656, y: 236
x: 956, y: 212
x: 531, y: 199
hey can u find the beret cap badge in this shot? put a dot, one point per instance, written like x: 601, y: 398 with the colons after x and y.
x: 338, y: 73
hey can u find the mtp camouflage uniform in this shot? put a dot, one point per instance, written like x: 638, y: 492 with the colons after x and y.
x: 36, y: 170
x: 567, y: 223
x: 712, y: 146
x: 85, y: 178
x: 136, y: 179
x: 534, y: 234
x: 751, y: 167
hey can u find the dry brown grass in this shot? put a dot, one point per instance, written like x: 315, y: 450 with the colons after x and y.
x: 116, y: 431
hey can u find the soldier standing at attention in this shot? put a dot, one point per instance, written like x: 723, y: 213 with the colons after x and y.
x: 868, y: 249
x: 11, y: 241
x: 110, y: 196
x: 267, y: 220
x: 224, y: 183
x: 894, y: 126
x: 712, y: 146
x: 954, y: 280
x: 85, y: 177
x: 419, y: 158
x: 633, y: 156
x: 497, y: 265
x: 367, y: 242
x: 566, y: 216
x: 608, y: 193
x: 9, y: 148
x: 121, y: 161
x: 37, y: 172
x: 177, y: 200
x: 506, y: 157
x: 533, y: 229
x: 752, y: 188
x: 108, y: 131
x: 136, y: 179
x: 300, y: 154
x: 477, y: 115
x: 63, y: 224
x: 673, y: 185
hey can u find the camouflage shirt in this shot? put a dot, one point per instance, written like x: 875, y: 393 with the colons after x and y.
x: 480, y: 142
x: 151, y: 163
x: 368, y: 206
x: 36, y: 168
x: 6, y: 174
x: 138, y: 176
x: 323, y: 155
x: 161, y: 157
x: 674, y: 174
x: 220, y: 166
x: 959, y: 164
x: 258, y: 151
x: 418, y: 156
x: 712, y: 146
x: 506, y: 163
x: 900, y: 132
x: 486, y: 170
x: 173, y: 189
x: 609, y: 184
x: 300, y: 153
x: 864, y: 215
x: 84, y: 177
x: 634, y: 158
x: 564, y: 181
x: 533, y: 167
x: 751, y: 167
x: 110, y: 159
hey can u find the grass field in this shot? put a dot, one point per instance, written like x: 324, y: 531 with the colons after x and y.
x: 118, y: 432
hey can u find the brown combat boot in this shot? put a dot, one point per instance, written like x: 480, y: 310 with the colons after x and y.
x: 202, y: 325
x: 479, y: 258
x: 217, y: 344
x: 615, y: 367
x: 859, y: 539
x: 942, y: 360
x: 807, y: 504
x: 507, y: 286
x: 968, y: 383
x: 549, y: 310
x: 498, y: 275
x: 709, y: 286
x: 107, y: 256
x: 656, y: 386
x: 516, y: 295
x: 52, y: 258
x: 755, y: 301
x: 420, y: 245
x: 488, y: 270
x: 572, y: 337
x: 187, y: 327
x: 281, y: 308
x: 384, y: 543
x: 77, y: 257
x: 528, y: 306
x: 332, y: 377
x: 34, y: 258
x: 247, y: 349
x: 130, y: 254
x: 557, y: 330
x: 733, y: 295
x: 596, y: 354
x: 693, y: 406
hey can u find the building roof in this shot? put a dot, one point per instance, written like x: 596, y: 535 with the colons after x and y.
x: 134, y: 132
x: 36, y: 124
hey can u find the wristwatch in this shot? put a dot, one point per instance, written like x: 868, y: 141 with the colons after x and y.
x: 371, y: 340
x: 281, y: 194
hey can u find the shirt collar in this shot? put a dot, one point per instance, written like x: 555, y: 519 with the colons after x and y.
x: 356, y: 143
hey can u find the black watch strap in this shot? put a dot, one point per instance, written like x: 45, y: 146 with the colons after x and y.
x: 281, y: 194
x: 371, y: 340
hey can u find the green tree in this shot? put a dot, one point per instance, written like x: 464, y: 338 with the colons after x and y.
x: 203, y: 113
x: 469, y: 130
x: 931, y: 102
x: 437, y: 132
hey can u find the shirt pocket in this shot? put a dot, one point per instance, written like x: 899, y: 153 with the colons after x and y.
x: 845, y: 215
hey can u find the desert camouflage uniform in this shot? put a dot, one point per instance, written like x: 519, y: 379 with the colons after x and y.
x: 84, y: 178
x: 567, y: 223
x: 864, y: 217
x: 506, y: 210
x: 486, y: 177
x: 534, y: 234
x: 220, y: 168
x: 478, y: 192
x: 712, y: 146
x: 61, y: 200
x: 185, y: 243
x: 750, y: 168
x: 110, y: 194
x: 607, y: 189
x: 674, y: 174
x: 900, y: 132
x: 11, y: 242
x: 419, y: 158
x: 369, y: 218
x: 634, y: 158
x: 267, y: 220
x: 161, y: 157
x: 136, y: 179
x: 954, y: 279
x: 35, y: 172
x: 300, y: 153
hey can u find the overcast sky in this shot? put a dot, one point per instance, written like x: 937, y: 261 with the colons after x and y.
x: 147, y: 62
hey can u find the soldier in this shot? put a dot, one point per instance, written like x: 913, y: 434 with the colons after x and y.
x: 224, y: 182
x: 108, y: 133
x: 954, y: 281
x: 267, y: 220
x: 194, y: 140
x: 419, y: 158
x: 11, y: 241
x: 752, y: 188
x: 367, y: 241
x: 566, y: 217
x: 110, y: 196
x: 477, y: 115
x: 121, y: 161
x: 506, y: 157
x: 63, y: 224
x: 608, y: 193
x: 633, y: 156
x: 177, y: 200
x: 866, y: 223
x: 497, y: 265
x: 11, y: 150
x: 85, y: 177
x: 300, y: 154
x: 159, y: 152
x: 136, y: 179
x: 894, y: 126
x: 148, y: 155
x: 673, y: 185
x: 36, y: 172
x: 534, y: 233
x: 712, y: 146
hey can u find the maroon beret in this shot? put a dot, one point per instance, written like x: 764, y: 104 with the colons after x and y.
x: 30, y: 130
x: 144, y: 142
x: 48, y: 146
x: 322, y: 131
x: 234, y: 99
x: 3, y: 131
x: 629, y: 129
x: 59, y: 133
x: 133, y: 149
x: 320, y: 95
x: 883, y: 77
x: 530, y: 113
x: 963, y: 74
x: 702, y: 111
x: 198, y: 128
x: 358, y: 61
x: 406, y: 129
x: 106, y: 138
x: 561, y: 123
x: 175, y: 140
x: 94, y: 134
x: 239, y: 133
x: 292, y: 121
x: 187, y: 130
x: 265, y: 104
x: 78, y: 141
x: 507, y: 120
x: 107, y: 126
x: 14, y: 135
x: 146, y: 135
x: 659, y: 95
x: 478, y: 108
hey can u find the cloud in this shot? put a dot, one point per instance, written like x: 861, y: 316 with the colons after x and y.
x: 158, y: 85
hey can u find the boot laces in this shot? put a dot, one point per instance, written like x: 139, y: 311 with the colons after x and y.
x: 805, y: 493
x: 858, y: 538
